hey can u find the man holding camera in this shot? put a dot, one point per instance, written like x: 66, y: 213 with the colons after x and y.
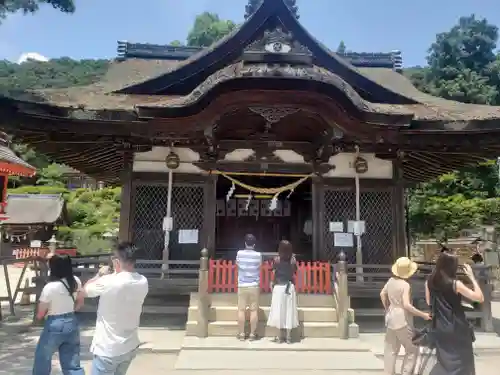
x: 122, y: 292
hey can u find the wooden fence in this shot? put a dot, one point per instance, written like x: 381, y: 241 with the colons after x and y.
x: 39, y: 280
x: 311, y: 277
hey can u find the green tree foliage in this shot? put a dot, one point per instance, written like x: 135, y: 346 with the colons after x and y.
x: 51, y: 175
x: 91, y: 213
x: 57, y: 73
x: 208, y: 28
x: 463, y: 66
x: 253, y: 5
x: 31, y: 6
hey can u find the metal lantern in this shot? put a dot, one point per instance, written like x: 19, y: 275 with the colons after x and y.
x: 173, y: 161
x: 360, y: 165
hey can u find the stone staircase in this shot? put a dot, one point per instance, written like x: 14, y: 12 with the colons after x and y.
x: 317, y: 316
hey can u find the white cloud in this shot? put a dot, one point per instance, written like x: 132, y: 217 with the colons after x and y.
x: 31, y: 56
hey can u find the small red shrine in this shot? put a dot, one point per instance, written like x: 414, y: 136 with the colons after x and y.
x: 10, y: 165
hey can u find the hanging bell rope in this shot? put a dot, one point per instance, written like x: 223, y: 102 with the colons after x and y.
x: 270, y: 191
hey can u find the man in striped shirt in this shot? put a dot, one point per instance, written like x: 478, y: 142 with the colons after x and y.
x: 248, y: 261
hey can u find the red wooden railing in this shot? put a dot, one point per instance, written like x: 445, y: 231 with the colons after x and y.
x: 311, y: 277
x: 28, y: 252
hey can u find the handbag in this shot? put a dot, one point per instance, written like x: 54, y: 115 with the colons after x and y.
x: 425, y: 337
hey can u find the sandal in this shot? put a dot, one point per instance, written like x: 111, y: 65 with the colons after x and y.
x: 240, y: 336
x: 253, y: 337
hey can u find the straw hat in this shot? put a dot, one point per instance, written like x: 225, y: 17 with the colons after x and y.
x: 404, y: 268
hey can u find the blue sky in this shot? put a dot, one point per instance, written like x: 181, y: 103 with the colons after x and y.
x: 364, y: 25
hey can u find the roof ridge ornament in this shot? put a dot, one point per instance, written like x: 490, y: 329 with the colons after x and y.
x: 277, y: 40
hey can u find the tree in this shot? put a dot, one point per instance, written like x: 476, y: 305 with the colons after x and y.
x: 208, y: 28
x: 51, y: 175
x: 463, y: 66
x: 444, y: 217
x: 462, y: 62
x: 253, y: 5
x: 31, y: 6
x: 176, y: 43
x: 57, y: 73
x: 341, y: 48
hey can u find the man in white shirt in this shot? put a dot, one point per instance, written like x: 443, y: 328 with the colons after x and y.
x: 248, y: 261
x: 122, y: 295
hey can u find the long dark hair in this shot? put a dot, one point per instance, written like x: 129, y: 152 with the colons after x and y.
x: 61, y: 268
x: 444, y: 272
x: 285, y: 251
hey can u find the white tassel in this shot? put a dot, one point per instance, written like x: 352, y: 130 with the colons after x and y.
x: 289, y: 194
x: 274, y: 202
x: 230, y: 192
x: 249, y: 199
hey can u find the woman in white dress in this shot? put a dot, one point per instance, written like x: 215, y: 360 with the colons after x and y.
x: 284, y: 314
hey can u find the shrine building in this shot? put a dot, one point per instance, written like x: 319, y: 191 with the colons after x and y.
x: 266, y: 132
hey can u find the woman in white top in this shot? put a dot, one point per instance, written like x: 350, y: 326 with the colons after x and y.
x: 59, y: 300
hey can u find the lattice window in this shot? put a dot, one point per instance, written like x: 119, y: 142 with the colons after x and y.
x: 377, y: 242
x: 150, y: 209
x: 375, y: 210
x: 187, y: 212
x: 340, y: 205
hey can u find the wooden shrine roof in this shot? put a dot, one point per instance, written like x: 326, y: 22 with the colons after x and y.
x: 156, y: 95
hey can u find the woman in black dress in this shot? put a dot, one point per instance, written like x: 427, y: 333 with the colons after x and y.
x: 453, y: 333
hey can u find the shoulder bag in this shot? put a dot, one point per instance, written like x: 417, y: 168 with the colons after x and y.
x: 425, y: 337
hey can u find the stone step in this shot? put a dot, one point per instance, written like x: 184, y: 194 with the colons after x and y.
x: 164, y: 309
x: 306, y: 329
x: 303, y: 300
x: 306, y: 314
x: 264, y: 362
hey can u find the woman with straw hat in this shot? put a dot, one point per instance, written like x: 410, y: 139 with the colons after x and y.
x: 399, y: 312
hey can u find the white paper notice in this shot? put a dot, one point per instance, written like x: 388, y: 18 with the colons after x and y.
x: 356, y: 227
x: 343, y: 240
x: 359, y: 228
x: 188, y: 236
x: 336, y: 226
x: 168, y: 224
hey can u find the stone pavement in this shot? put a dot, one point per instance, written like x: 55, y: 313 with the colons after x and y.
x: 14, y: 275
x: 165, y: 348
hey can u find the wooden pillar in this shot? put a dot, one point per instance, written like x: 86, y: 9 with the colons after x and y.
x: 209, y: 214
x: 318, y: 217
x: 125, y: 234
x: 398, y: 212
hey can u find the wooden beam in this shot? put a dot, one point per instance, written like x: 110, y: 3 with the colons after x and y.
x: 398, y: 211
x: 209, y: 214
x: 318, y: 218
x: 125, y: 233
